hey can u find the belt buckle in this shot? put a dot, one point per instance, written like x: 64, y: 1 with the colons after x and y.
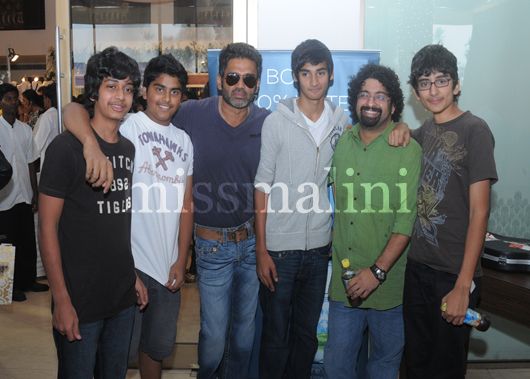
x: 232, y: 236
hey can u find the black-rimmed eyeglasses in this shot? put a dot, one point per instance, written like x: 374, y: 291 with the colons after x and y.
x: 426, y: 84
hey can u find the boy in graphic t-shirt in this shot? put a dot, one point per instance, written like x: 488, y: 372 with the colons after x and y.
x: 162, y: 219
x: 85, y: 234
x: 443, y: 272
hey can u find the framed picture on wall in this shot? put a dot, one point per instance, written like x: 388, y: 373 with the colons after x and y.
x: 22, y: 14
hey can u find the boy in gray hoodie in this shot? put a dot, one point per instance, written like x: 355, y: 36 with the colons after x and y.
x: 293, y: 215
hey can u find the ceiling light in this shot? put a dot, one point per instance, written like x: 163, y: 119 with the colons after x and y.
x: 12, y: 55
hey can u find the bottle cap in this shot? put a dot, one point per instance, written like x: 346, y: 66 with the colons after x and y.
x: 484, y: 324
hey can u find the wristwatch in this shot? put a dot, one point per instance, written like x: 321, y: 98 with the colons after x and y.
x: 379, y: 273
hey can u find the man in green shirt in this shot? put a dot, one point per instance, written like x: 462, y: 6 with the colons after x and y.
x: 375, y: 207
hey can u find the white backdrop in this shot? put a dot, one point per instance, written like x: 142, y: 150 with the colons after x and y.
x: 283, y: 24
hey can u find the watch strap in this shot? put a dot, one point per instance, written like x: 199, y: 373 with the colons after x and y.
x: 379, y: 273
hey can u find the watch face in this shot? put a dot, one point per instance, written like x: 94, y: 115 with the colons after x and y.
x: 379, y: 274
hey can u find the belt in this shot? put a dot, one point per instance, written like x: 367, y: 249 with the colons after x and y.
x: 240, y: 234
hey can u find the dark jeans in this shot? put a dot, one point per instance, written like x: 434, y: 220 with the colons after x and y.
x: 291, y: 313
x: 101, y: 353
x: 18, y: 225
x: 434, y: 348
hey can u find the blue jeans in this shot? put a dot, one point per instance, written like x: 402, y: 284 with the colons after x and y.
x: 101, y: 353
x: 228, y: 288
x: 291, y: 313
x: 253, y: 370
x: 346, y: 326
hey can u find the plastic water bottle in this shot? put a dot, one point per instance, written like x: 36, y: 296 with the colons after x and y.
x: 347, y: 272
x: 474, y: 319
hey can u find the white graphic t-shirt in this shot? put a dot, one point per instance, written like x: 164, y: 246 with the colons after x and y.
x: 163, y: 161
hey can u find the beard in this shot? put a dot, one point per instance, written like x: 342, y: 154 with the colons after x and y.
x: 238, y: 103
x: 370, y: 122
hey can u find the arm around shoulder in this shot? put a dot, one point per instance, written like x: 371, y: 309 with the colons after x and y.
x: 99, y: 171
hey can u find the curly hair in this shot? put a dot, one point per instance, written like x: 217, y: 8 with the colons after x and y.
x: 109, y: 63
x: 387, y: 77
x: 239, y: 50
x: 310, y: 51
x: 433, y: 58
x: 165, y: 64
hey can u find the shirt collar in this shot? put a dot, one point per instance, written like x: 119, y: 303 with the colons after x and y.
x: 356, y: 128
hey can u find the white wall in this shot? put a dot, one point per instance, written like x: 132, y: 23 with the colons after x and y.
x: 281, y: 24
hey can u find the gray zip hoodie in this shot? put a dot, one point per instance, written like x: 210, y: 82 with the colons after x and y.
x: 293, y: 170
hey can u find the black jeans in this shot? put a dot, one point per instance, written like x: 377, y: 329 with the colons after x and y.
x: 291, y: 313
x: 434, y: 348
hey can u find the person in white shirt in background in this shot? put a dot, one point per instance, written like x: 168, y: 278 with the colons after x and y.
x: 18, y: 199
x: 47, y: 126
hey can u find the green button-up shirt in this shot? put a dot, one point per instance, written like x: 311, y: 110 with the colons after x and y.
x: 375, y: 196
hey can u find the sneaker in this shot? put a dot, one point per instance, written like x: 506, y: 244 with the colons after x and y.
x: 18, y: 295
x: 38, y: 287
x: 190, y: 278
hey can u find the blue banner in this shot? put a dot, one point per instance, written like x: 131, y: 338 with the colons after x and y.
x: 277, y: 79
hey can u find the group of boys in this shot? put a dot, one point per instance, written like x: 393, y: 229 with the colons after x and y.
x: 258, y: 203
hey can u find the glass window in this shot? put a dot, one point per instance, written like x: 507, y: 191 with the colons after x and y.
x: 490, y: 41
x: 144, y: 29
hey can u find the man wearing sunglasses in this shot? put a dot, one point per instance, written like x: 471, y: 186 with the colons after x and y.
x: 226, y: 135
x: 293, y: 236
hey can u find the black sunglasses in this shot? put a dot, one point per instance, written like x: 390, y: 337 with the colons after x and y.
x: 232, y: 78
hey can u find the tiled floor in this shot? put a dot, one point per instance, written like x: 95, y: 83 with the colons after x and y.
x: 27, y: 350
x: 26, y: 344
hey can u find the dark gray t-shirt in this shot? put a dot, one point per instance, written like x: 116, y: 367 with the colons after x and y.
x: 456, y: 154
x: 225, y: 161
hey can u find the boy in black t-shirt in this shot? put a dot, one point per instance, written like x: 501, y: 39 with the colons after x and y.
x: 85, y: 234
x: 443, y: 267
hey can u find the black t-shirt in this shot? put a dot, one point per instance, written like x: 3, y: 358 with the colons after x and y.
x: 225, y: 161
x: 456, y: 154
x: 95, y: 228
